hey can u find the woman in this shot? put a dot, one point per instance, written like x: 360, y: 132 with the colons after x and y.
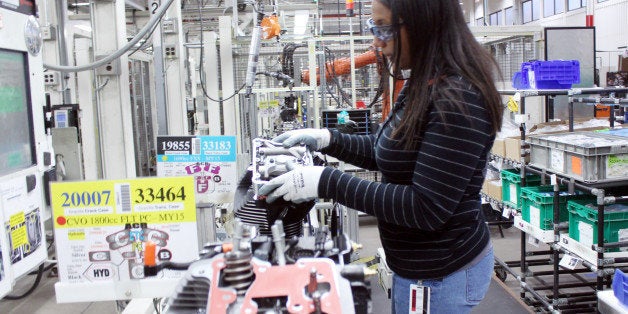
x: 431, y: 152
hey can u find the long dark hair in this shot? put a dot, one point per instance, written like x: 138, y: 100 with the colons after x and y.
x: 441, y: 46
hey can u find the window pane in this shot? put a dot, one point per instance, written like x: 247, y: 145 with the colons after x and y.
x: 560, y: 6
x: 548, y: 8
x: 527, y: 11
x: 574, y: 4
x: 494, y: 18
x: 536, y: 9
x: 510, y: 18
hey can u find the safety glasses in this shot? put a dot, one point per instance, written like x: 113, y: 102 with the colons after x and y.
x: 382, y: 32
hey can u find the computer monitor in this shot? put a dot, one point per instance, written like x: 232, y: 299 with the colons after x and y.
x: 17, y: 147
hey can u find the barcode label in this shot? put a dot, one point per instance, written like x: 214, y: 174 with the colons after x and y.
x: 196, y: 146
x: 123, y: 197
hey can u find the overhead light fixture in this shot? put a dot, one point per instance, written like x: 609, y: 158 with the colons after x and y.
x: 85, y: 28
x: 136, y: 4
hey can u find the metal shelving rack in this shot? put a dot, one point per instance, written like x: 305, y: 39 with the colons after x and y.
x: 499, y: 221
x: 594, y: 258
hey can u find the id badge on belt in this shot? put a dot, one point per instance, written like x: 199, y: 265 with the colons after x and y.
x: 419, y: 300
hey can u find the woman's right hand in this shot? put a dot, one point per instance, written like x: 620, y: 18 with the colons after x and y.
x: 314, y: 139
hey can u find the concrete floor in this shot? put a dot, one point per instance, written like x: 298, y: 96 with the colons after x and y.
x: 501, y: 298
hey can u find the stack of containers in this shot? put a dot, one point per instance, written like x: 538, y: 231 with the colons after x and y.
x: 511, y: 186
x: 583, y: 222
x: 537, y: 205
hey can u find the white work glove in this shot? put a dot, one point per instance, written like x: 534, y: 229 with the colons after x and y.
x: 297, y: 186
x: 314, y: 139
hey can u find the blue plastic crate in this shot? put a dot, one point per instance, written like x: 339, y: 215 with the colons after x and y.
x: 620, y: 286
x: 552, y: 74
x: 519, y: 82
x: 616, y: 132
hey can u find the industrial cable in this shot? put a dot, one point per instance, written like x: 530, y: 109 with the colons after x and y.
x: 201, y: 72
x: 141, y: 46
x: 274, y: 66
x: 223, y: 99
x: 287, y: 60
x: 334, y: 78
x: 47, y: 268
x: 153, y: 20
x: 156, y: 302
x: 40, y: 273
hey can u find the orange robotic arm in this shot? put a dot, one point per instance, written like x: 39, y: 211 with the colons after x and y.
x: 341, y: 66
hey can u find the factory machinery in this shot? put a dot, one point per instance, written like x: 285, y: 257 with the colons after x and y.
x: 279, y: 261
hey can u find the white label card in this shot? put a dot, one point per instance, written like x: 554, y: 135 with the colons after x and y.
x: 586, y: 233
x: 513, y: 194
x: 556, y: 160
x: 419, y: 302
x: 533, y: 241
x: 622, y: 235
x: 506, y: 212
x: 570, y: 262
x: 535, y: 217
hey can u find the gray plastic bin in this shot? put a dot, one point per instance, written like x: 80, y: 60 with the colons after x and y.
x: 585, y: 156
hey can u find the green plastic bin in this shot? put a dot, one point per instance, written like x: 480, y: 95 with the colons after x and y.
x: 537, y: 205
x: 511, y: 186
x: 583, y: 222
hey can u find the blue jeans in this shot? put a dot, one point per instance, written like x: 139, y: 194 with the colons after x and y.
x: 457, y: 293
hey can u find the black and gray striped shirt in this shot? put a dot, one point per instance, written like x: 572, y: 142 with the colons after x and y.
x: 428, y: 203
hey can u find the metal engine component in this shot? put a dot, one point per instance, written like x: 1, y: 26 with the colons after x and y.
x: 240, y: 282
x: 238, y: 271
x: 271, y: 160
x: 276, y: 265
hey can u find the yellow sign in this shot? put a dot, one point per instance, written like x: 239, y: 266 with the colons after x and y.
x: 121, y: 202
x: 76, y: 235
x: 17, y: 219
x: 267, y: 104
x: 17, y: 223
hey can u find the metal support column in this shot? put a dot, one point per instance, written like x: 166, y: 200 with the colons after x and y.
x: 313, y: 110
x: 55, y: 49
x: 556, y: 253
x: 229, y: 86
x: 211, y: 64
x: 230, y: 110
x: 522, y: 128
x: 160, y: 80
x: 92, y: 155
x: 174, y: 70
x: 114, y: 114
